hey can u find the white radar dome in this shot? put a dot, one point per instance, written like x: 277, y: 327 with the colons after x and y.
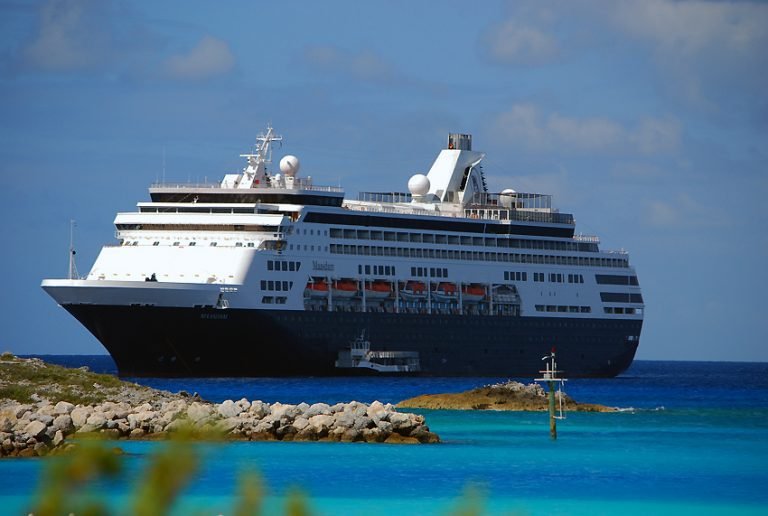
x: 418, y: 185
x: 289, y: 165
x: 507, y: 198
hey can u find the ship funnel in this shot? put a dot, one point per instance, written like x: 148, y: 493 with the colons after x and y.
x: 458, y: 141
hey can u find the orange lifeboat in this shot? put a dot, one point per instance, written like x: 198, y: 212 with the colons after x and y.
x: 414, y: 290
x: 445, y: 291
x: 344, y: 288
x: 378, y: 289
x: 473, y: 293
x: 317, y: 288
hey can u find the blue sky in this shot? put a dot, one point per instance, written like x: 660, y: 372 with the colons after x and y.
x: 646, y: 119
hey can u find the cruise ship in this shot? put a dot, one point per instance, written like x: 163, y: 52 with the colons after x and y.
x: 268, y: 274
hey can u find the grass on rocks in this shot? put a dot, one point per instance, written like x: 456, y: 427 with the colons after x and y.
x: 21, y: 379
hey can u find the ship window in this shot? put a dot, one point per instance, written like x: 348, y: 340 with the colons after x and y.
x: 263, y: 284
x: 291, y: 266
x: 267, y: 300
x: 413, y: 271
x: 367, y: 269
x: 270, y: 285
x: 214, y: 244
x: 192, y: 244
x: 280, y: 300
x: 155, y: 243
x: 239, y: 244
x: 176, y: 244
x: 270, y: 265
x: 284, y: 266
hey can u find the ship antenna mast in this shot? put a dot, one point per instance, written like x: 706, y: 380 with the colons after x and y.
x: 72, y: 267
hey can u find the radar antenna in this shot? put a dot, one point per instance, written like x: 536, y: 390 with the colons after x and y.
x: 256, y: 171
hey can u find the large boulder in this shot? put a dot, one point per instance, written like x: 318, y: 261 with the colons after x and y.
x: 259, y: 409
x: 63, y: 407
x: 35, y: 429
x: 198, y: 411
x: 63, y: 423
x: 228, y: 409
x: 80, y: 415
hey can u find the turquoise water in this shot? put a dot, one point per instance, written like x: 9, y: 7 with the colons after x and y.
x: 696, y: 442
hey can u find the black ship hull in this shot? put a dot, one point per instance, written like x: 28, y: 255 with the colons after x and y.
x: 202, y: 342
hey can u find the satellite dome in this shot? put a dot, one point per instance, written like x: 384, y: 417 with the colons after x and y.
x: 289, y: 165
x: 418, y: 185
x: 507, y: 198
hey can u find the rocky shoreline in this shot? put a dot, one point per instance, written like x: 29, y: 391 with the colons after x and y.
x: 40, y: 425
x: 509, y: 395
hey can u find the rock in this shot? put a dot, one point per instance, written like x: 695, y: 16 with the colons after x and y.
x: 96, y: 421
x: 63, y: 423
x: 228, y: 409
x: 63, y: 407
x: 351, y: 435
x: 58, y: 438
x: 259, y: 409
x: 321, y: 423
x: 400, y: 439
x: 7, y: 423
x: 317, y: 409
x: 227, y: 425
x: 20, y: 410
x: 300, y: 423
x: 384, y: 426
x: 198, y: 411
x: 43, y: 418
x: 363, y: 422
x: 35, y: 429
x: 376, y: 411
x: 373, y: 435
x: 243, y: 404
x: 401, y: 421
x: 80, y: 416
x: 344, y: 419
x: 137, y: 433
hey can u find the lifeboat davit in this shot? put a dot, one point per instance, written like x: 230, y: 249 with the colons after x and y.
x: 378, y: 289
x: 318, y: 288
x: 445, y: 291
x: 344, y: 288
x: 473, y: 293
x: 414, y: 290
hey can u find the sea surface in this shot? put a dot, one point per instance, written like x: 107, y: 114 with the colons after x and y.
x: 693, y: 439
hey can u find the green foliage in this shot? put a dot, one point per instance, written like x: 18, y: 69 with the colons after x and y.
x: 7, y: 356
x: 169, y: 471
x: 64, y: 485
x: 20, y: 393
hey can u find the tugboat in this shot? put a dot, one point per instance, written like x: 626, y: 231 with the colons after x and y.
x: 360, y: 358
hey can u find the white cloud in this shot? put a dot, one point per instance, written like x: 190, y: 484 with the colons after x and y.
x: 210, y: 57
x: 365, y: 65
x: 516, y: 43
x: 686, y: 212
x: 71, y: 36
x: 526, y: 126
x: 692, y: 27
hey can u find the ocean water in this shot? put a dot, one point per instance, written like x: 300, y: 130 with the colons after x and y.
x: 693, y: 440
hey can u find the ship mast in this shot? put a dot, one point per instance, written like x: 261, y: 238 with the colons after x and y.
x: 256, y: 171
x: 72, y: 274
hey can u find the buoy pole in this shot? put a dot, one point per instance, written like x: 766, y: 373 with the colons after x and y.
x: 552, y: 420
x: 549, y: 376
